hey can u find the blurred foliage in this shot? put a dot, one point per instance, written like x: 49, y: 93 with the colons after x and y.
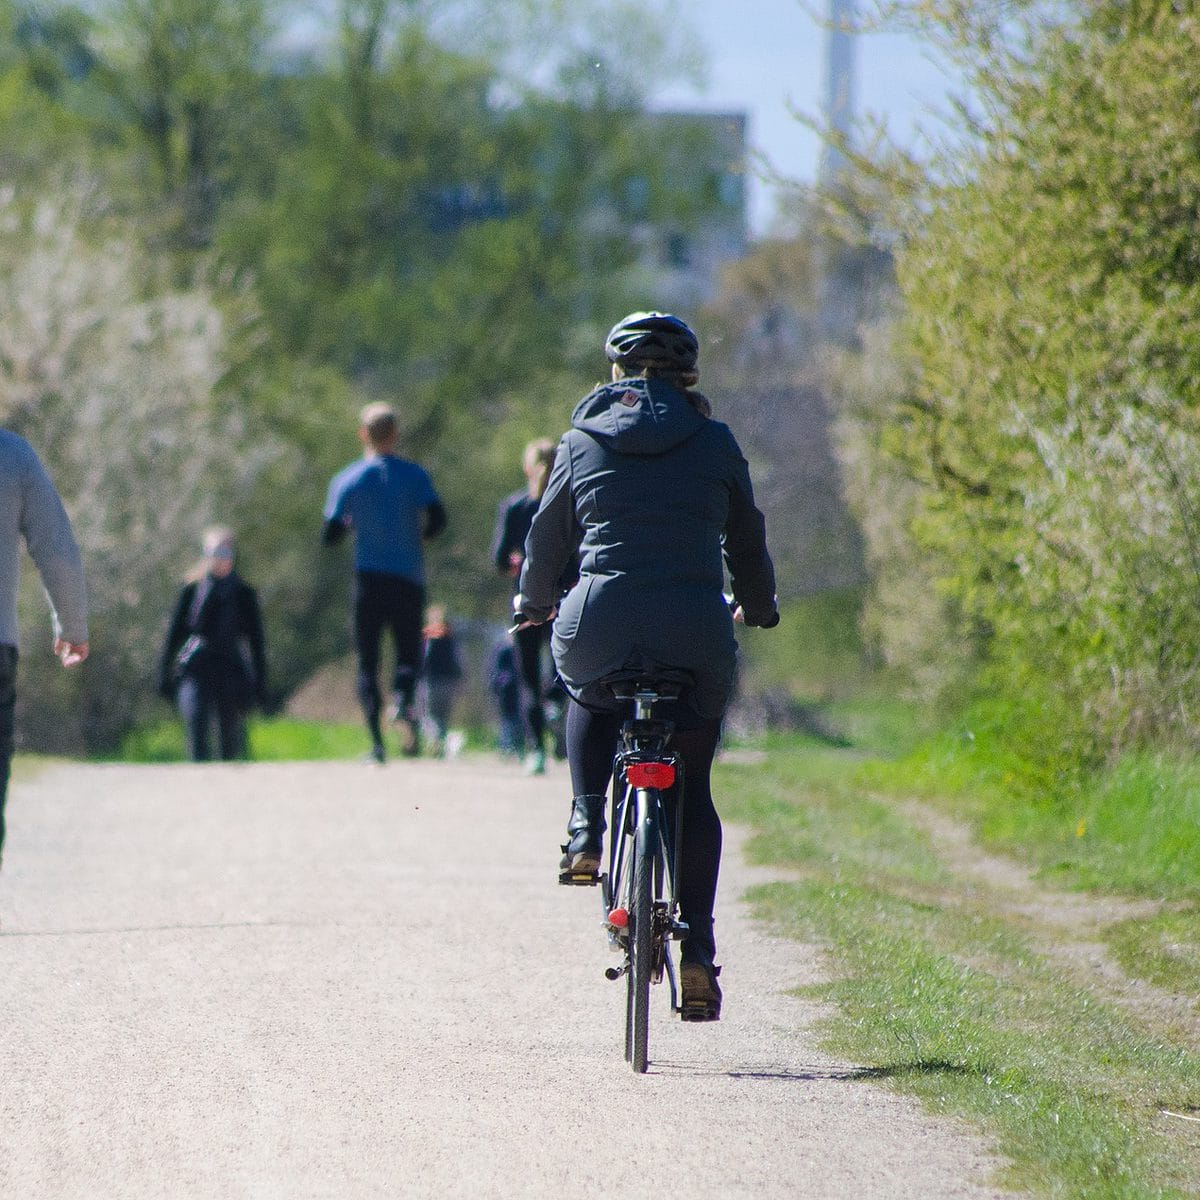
x: 771, y: 338
x: 1037, y: 446
x: 218, y: 241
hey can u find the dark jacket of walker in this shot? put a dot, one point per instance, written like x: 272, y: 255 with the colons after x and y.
x: 657, y: 500
x: 220, y: 620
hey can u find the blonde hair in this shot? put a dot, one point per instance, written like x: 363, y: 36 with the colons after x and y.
x: 379, y: 422
x: 211, y: 540
x: 214, y: 537
x: 537, y: 461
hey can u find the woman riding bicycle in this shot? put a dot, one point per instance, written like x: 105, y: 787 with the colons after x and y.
x: 654, y: 495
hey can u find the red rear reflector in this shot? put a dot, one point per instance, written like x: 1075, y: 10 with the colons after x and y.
x: 618, y: 918
x: 650, y: 774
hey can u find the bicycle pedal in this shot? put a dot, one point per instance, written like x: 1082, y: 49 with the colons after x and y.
x: 700, y: 1012
x: 579, y: 878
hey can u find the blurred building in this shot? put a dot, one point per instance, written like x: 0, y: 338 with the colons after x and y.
x: 700, y: 222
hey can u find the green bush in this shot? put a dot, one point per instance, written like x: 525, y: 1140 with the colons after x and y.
x: 1044, y: 423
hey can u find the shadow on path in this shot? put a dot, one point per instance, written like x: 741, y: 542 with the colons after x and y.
x: 816, y: 1074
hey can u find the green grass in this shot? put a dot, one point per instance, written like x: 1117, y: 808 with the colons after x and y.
x: 27, y: 766
x: 1165, y: 949
x: 815, y: 651
x: 1132, y: 828
x: 943, y: 998
x: 273, y: 739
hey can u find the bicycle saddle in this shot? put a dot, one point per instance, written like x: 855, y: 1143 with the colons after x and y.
x: 666, y: 682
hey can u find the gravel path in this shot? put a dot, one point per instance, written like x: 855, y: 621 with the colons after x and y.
x: 334, y: 980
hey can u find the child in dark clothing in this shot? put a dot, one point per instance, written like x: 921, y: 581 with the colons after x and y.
x: 504, y: 683
x: 442, y: 673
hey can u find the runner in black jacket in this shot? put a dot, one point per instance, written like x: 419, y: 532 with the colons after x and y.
x: 656, y: 496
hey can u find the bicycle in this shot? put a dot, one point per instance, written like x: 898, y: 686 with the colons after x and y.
x: 638, y: 889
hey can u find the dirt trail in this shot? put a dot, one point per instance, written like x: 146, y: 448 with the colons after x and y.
x: 333, y: 980
x: 1066, y: 926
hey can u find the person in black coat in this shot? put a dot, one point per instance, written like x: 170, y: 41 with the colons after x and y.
x: 655, y: 497
x: 214, y: 658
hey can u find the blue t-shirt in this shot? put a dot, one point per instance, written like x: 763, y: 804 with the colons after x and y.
x: 383, y: 499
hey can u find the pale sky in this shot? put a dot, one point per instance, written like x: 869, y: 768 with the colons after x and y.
x: 765, y: 54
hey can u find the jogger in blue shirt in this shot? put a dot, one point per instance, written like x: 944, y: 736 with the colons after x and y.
x: 393, y: 510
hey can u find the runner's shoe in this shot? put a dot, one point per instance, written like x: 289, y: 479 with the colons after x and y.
x: 408, y: 729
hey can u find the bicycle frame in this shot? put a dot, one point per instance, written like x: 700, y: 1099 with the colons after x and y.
x: 643, y: 770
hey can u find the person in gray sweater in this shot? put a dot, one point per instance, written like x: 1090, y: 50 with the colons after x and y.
x: 656, y: 498
x: 31, y: 511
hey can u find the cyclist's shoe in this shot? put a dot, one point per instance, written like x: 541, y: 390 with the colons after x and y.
x: 578, y: 868
x: 699, y: 992
x: 581, y: 855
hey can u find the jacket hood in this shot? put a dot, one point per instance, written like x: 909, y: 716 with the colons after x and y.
x: 637, y: 416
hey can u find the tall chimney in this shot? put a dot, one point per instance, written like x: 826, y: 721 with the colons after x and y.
x: 839, y: 87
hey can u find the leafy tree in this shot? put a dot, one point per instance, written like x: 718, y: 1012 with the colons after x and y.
x: 1051, y: 288
x: 406, y: 209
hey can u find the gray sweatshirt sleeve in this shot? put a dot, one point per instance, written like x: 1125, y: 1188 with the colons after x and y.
x: 52, y: 546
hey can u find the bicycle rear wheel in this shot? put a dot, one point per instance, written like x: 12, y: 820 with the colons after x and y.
x: 641, y: 938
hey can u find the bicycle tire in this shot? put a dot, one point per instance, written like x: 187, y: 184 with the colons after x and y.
x: 641, y: 941
x: 620, y: 885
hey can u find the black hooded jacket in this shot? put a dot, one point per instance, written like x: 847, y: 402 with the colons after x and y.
x: 657, y: 501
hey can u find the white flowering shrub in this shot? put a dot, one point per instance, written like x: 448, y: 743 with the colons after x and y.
x: 115, y: 381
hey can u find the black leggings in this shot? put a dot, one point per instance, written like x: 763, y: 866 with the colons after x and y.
x: 592, y: 743
x: 529, y: 644
x: 386, y: 602
x: 201, y: 700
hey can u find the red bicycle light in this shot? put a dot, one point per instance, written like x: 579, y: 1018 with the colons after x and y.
x: 650, y: 774
x: 618, y: 918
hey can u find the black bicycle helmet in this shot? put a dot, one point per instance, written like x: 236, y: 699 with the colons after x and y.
x: 652, y: 337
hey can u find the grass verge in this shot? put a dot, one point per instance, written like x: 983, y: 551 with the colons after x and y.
x: 946, y: 999
x: 271, y: 739
x: 1133, y: 828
